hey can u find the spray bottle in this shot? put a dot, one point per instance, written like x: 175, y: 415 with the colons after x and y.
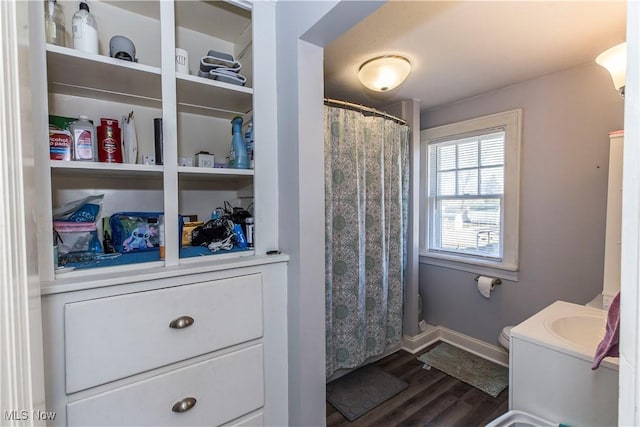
x: 241, y: 159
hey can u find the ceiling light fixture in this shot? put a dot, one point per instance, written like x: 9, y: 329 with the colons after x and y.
x: 615, y: 60
x: 384, y: 73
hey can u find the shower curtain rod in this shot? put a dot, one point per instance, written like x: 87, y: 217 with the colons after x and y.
x: 359, y: 107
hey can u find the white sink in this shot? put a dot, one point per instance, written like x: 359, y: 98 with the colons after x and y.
x: 581, y: 330
x: 550, y: 371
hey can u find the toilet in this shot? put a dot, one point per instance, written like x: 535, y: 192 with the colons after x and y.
x: 505, y: 337
x: 601, y: 301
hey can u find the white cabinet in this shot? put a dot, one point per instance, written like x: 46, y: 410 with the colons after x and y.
x: 211, y: 392
x: 118, y: 354
x: 136, y: 332
x: 613, y: 236
x: 196, y: 114
x: 126, y: 342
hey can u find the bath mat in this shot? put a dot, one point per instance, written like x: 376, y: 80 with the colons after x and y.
x: 360, y: 391
x: 469, y: 368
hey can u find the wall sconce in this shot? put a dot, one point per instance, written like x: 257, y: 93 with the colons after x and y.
x: 615, y: 60
x: 384, y: 73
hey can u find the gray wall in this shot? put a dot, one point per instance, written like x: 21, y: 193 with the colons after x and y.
x: 303, y: 30
x: 564, y: 163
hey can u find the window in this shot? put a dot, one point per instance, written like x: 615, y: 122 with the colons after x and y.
x: 470, y: 209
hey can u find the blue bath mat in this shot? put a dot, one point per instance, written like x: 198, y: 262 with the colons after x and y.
x: 469, y: 368
x: 360, y: 391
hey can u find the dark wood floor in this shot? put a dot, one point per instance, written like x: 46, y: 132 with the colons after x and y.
x: 432, y: 399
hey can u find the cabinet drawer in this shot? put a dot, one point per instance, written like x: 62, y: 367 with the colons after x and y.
x: 224, y: 388
x: 255, y: 420
x: 115, y: 337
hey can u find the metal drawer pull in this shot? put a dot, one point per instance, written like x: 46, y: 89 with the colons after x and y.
x: 181, y: 322
x: 184, y: 405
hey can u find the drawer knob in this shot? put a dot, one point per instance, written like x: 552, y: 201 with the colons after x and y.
x: 184, y: 405
x: 181, y: 322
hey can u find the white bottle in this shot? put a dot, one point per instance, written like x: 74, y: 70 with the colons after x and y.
x: 85, y: 30
x: 85, y: 144
x: 129, y: 139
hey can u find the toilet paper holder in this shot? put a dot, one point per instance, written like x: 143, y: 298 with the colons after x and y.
x: 497, y: 281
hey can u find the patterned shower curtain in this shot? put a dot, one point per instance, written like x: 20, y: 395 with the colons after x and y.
x: 366, y: 190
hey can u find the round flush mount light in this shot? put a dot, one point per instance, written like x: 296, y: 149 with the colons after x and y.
x: 384, y: 73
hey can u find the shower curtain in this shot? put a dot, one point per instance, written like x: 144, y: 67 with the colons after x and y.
x: 366, y: 190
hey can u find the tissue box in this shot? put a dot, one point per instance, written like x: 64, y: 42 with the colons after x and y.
x: 203, y: 160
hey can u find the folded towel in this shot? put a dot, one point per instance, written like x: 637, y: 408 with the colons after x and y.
x: 208, y: 63
x: 228, y: 76
x: 609, y: 344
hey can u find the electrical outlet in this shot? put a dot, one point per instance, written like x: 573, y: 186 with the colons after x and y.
x: 148, y: 159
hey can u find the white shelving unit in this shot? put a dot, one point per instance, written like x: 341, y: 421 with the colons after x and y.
x: 230, y: 360
x: 196, y: 114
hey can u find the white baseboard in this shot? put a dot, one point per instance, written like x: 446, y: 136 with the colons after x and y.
x: 434, y: 334
x: 414, y: 344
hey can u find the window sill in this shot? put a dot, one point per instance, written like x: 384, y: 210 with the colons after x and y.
x: 477, y: 267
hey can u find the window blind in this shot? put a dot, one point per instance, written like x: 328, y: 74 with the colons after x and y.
x: 467, y: 194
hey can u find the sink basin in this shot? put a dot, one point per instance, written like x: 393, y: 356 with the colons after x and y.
x: 581, y: 330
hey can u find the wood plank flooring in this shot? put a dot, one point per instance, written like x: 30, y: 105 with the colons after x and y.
x: 432, y: 399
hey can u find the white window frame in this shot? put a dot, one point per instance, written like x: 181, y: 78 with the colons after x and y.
x: 506, y: 268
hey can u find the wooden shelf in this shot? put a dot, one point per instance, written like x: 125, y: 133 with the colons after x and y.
x: 72, y: 72
x: 207, y: 97
x: 105, y: 169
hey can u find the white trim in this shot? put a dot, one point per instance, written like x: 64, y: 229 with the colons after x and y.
x: 511, y: 121
x: 462, y: 265
x: 434, y: 334
x: 21, y: 368
x: 629, y: 375
x: 421, y: 341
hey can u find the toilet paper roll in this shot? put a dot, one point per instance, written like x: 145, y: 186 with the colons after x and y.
x: 486, y: 285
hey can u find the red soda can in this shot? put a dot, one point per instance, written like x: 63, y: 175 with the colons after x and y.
x: 109, y: 141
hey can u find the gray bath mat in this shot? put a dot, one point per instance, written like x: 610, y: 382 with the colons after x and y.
x: 362, y: 390
x: 469, y: 368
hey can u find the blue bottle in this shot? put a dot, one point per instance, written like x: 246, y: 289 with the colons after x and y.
x: 239, y: 147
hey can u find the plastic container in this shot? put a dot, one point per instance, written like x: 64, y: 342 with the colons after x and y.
x: 54, y: 30
x: 249, y: 224
x: 109, y: 141
x: 517, y: 418
x: 84, y: 140
x: 85, y: 30
x: 239, y: 149
x: 248, y: 141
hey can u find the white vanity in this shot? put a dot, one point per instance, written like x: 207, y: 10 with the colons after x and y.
x: 550, y: 367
